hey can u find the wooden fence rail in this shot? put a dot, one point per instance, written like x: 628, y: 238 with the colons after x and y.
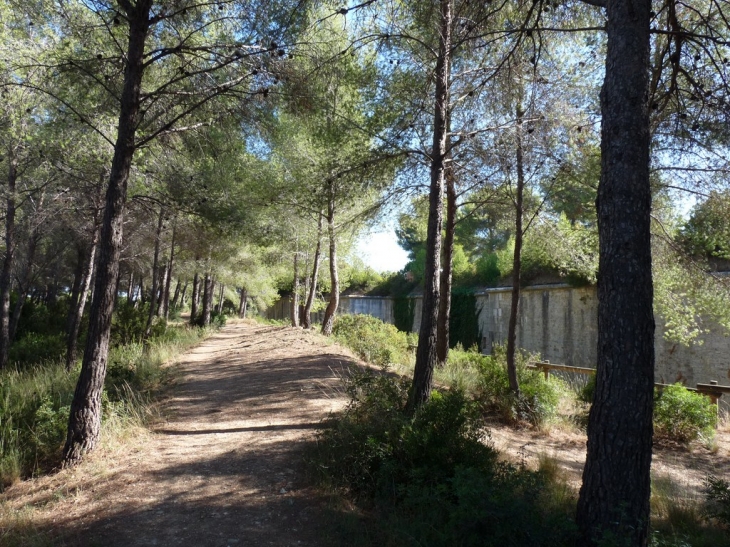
x: 711, y: 390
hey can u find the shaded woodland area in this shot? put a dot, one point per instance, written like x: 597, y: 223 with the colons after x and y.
x: 178, y: 154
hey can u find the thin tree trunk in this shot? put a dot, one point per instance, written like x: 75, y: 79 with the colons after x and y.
x: 307, y: 313
x: 130, y: 288
x: 221, y: 294
x: 182, y: 295
x: 166, y: 293
x: 207, y: 299
x: 516, y: 259
x: 5, y: 279
x: 194, y: 299
x: 85, y: 416
x: 426, y: 351
x: 331, y: 311
x: 443, y: 334
x: 23, y: 283
x: 76, y: 313
x: 142, y: 297
x: 295, y: 293
x: 614, y: 497
x: 155, y: 275
x: 244, y: 303
x: 176, y: 295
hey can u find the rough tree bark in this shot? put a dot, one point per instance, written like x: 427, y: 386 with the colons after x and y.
x: 78, y: 302
x: 194, y: 299
x: 85, y: 416
x: 614, y: 497
x: 243, y: 304
x: 516, y: 258
x: 166, y: 293
x: 329, y: 313
x: 295, y: 293
x: 443, y: 335
x: 5, y: 274
x: 307, y: 312
x: 427, y: 335
x: 207, y: 299
x: 155, y: 276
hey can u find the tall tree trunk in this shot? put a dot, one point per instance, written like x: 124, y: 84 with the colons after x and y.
x: 614, y: 497
x: 295, y: 293
x: 142, y: 297
x: 182, y: 295
x: 244, y: 303
x: 155, y: 275
x: 194, y: 299
x: 221, y: 295
x: 76, y: 313
x: 516, y: 258
x: 166, y: 293
x: 176, y: 295
x: 443, y: 334
x: 23, y: 283
x: 130, y: 288
x: 207, y: 299
x: 427, y: 335
x: 164, y: 269
x: 307, y: 313
x: 331, y: 311
x: 85, y: 415
x: 5, y: 274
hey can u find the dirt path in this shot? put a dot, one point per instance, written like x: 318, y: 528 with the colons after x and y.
x: 225, y: 469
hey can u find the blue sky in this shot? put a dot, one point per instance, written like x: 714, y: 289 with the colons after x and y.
x: 381, y: 252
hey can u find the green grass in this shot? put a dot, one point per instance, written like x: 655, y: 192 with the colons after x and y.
x: 35, y: 401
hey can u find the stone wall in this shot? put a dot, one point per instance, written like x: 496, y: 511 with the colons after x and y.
x: 560, y: 323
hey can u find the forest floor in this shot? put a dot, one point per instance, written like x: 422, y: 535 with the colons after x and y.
x: 225, y: 465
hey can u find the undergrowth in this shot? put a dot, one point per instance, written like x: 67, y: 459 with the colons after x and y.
x: 35, y: 401
x: 430, y: 479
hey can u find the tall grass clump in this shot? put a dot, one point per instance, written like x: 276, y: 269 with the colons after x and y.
x: 431, y: 479
x: 35, y: 401
x: 374, y: 341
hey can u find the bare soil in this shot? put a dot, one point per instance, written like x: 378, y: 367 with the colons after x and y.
x: 225, y: 468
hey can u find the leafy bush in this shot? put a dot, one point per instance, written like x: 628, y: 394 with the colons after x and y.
x: 683, y: 415
x: 538, y: 399
x: 35, y: 348
x: 373, y: 340
x: 430, y: 477
x: 717, y: 492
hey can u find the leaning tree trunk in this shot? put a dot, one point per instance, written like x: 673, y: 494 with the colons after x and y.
x: 443, y: 334
x: 194, y: 299
x: 427, y: 335
x: 155, y: 276
x: 295, y: 293
x: 85, y: 416
x: 331, y: 311
x: 176, y: 295
x: 5, y: 279
x: 614, y: 497
x: 181, y: 303
x: 76, y: 313
x: 516, y: 259
x: 243, y: 304
x: 307, y: 312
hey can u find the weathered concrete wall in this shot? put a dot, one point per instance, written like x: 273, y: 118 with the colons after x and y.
x: 560, y: 323
x: 380, y: 307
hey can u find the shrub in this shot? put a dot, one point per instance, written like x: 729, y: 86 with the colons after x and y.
x: 717, y: 492
x: 538, y: 399
x: 35, y: 348
x: 373, y: 340
x: 430, y: 477
x: 683, y: 415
